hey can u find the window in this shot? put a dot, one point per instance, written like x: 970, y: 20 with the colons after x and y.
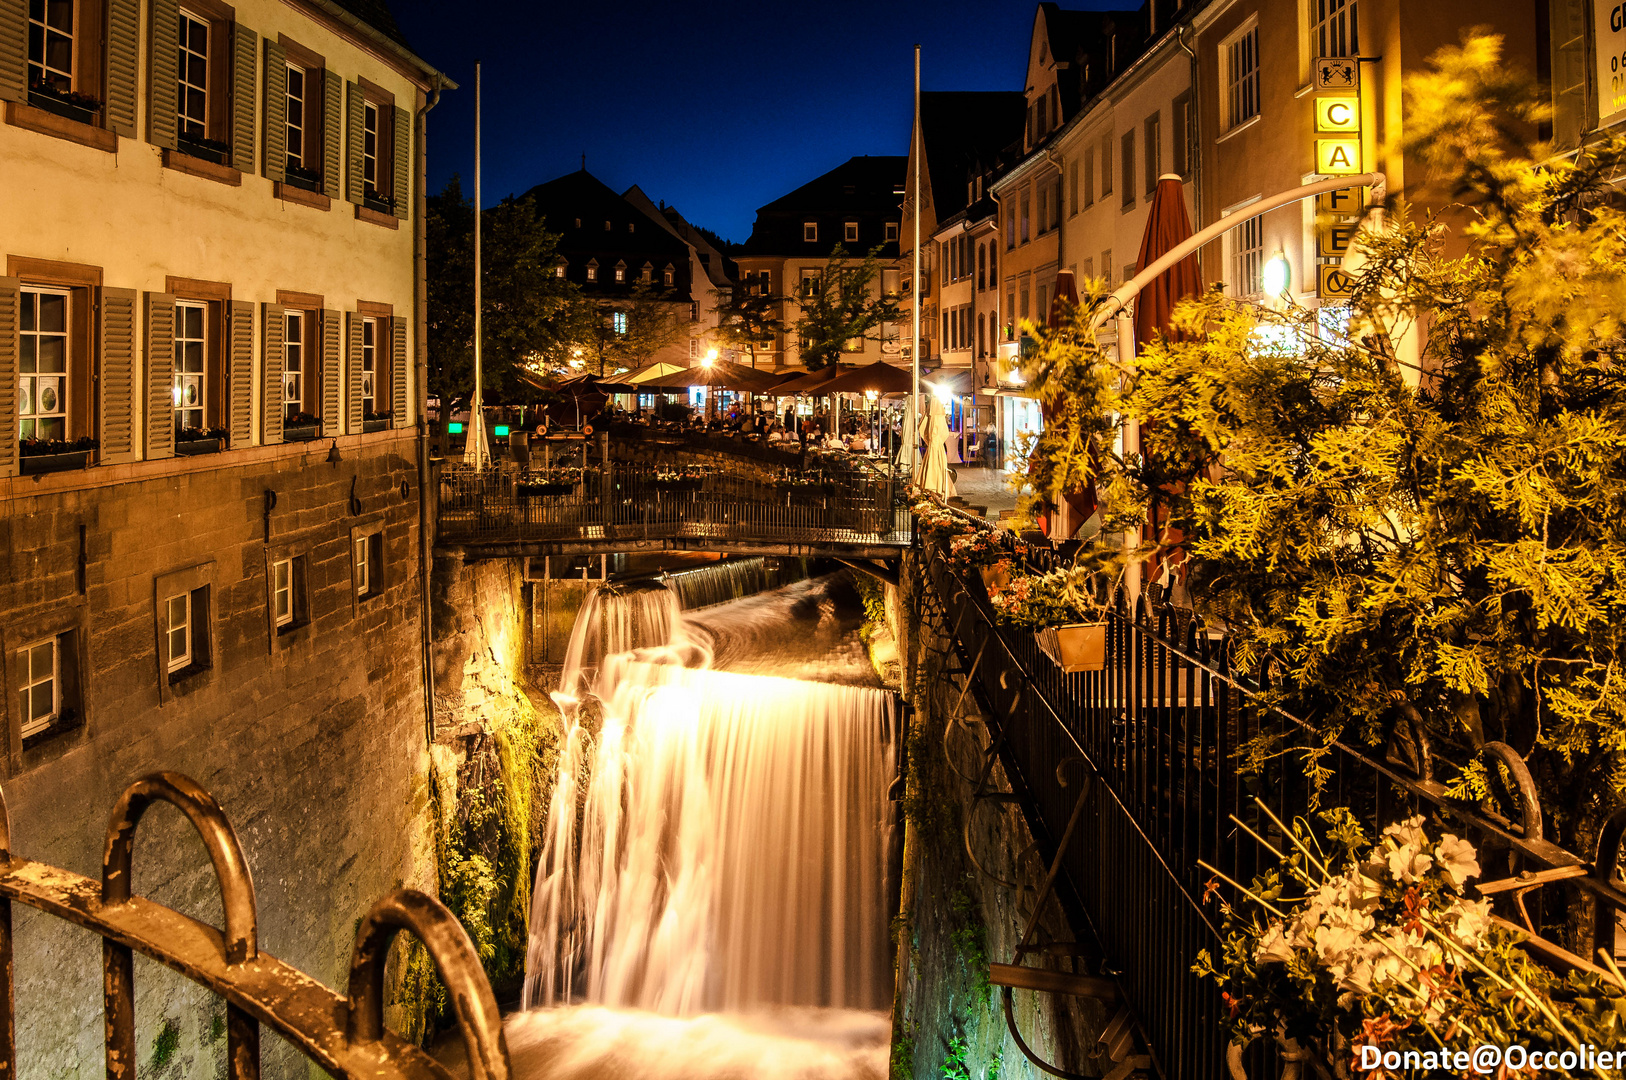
x: 50, y: 49
x: 1089, y: 176
x: 632, y: 226
x: 1106, y: 266
x: 559, y: 271
x: 810, y: 231
x: 810, y: 281
x: 296, y: 117
x: 606, y: 226
x: 369, y: 148
x: 43, y: 364
x: 1154, y: 151
x: 1106, y: 164
x: 1026, y: 213
x: 1239, y: 56
x: 1127, y: 164
x: 1010, y: 315
x: 282, y: 593
x: 39, y: 679
x: 1010, y: 225
x: 367, y: 561
x: 1044, y: 209
x: 369, y: 367
x: 186, y: 622
x: 889, y: 282
x: 647, y: 274
x: 1248, y: 258
x: 982, y: 341
x: 1180, y: 116
x: 1072, y: 187
x: 620, y: 273
x: 850, y: 232
x: 289, y: 603
x: 892, y: 230
x: 1333, y: 28
x: 192, y: 97
x: 1022, y: 303
x: 191, y: 347
x: 667, y: 276
x: 592, y: 272
x: 618, y: 320
x: 294, y: 370
x: 982, y: 267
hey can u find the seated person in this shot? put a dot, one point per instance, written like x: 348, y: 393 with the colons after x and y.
x: 859, y: 443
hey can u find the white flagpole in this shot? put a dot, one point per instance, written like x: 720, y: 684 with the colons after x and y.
x: 475, y: 449
x: 911, y: 434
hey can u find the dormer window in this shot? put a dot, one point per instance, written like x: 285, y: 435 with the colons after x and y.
x: 592, y: 270
x: 667, y: 275
x: 578, y: 223
x: 621, y: 271
x: 850, y: 234
x: 632, y: 226
x: 892, y: 230
x: 647, y: 274
x: 810, y: 232
x: 606, y: 226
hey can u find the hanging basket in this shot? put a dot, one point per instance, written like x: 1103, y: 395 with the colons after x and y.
x: 1076, y: 646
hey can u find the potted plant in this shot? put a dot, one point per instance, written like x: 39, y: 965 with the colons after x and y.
x: 64, y: 103
x: 212, y: 150
x: 53, y: 455
x: 302, y: 427
x: 559, y: 480
x: 195, y: 440
x: 375, y: 200
x: 1374, y: 958
x: 305, y: 179
x: 376, y: 421
x: 1061, y: 610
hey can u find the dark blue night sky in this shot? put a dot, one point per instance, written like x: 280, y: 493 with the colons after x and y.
x: 716, y: 108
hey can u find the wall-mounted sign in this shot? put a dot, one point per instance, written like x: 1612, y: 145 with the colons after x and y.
x: 1337, y: 114
x: 1333, y: 283
x: 1337, y: 73
x: 1345, y: 202
x: 1332, y: 241
x: 1336, y: 156
x: 1609, y: 43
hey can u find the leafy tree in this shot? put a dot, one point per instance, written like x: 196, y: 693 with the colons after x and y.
x: 649, y: 321
x: 748, y: 320
x: 1435, y: 546
x: 527, y: 308
x: 842, y: 305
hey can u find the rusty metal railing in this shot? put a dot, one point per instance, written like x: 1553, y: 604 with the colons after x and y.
x: 344, y: 1035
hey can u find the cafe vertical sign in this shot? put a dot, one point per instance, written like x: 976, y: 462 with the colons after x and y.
x: 1337, y: 152
x: 1609, y: 43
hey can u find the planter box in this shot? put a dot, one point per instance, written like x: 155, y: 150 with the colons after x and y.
x: 375, y: 425
x: 1076, y: 646
x: 65, y: 109
x: 44, y: 463
x: 302, y: 433
x: 197, y: 446
x: 303, y: 183
x: 212, y: 154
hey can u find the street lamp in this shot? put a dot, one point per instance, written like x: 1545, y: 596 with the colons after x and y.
x: 1278, y: 274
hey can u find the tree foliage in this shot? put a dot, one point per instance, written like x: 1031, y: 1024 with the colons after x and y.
x: 843, y: 305
x: 527, y: 310
x: 748, y: 320
x: 1439, y: 544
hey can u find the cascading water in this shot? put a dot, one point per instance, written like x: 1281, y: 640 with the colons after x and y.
x: 732, y: 579
x: 713, y: 871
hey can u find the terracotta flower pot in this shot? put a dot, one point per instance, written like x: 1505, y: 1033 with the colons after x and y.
x: 1076, y: 646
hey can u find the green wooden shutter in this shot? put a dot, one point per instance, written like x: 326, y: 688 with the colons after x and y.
x: 164, y: 50
x: 398, y: 371
x: 116, y: 417
x: 402, y: 190
x: 123, y: 31
x: 332, y: 132
x: 274, y: 113
x: 10, y: 303
x: 272, y: 356
x: 245, y: 45
x: 354, y: 117
x: 332, y: 422
x: 159, y: 320
x: 13, y: 51
x: 242, y: 374
x: 352, y: 391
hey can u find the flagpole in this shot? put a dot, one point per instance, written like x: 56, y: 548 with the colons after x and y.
x: 477, y: 420
x: 914, y: 349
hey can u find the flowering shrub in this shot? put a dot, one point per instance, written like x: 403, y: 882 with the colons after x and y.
x: 1349, y: 947
x: 1035, y: 601
x: 980, y: 547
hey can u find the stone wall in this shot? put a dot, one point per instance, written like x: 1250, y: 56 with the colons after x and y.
x: 948, y: 1022
x: 313, y: 740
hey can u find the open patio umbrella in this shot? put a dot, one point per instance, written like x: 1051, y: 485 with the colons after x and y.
x: 879, y: 377
x: 1167, y: 226
x: 719, y: 374
x: 653, y: 370
x: 932, y: 472
x: 814, y: 382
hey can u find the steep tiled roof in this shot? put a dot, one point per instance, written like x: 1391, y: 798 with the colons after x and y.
x: 962, y: 129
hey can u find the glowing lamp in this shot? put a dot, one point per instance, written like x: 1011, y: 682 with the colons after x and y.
x: 454, y: 428
x: 1278, y: 275
x: 944, y: 393
x: 872, y: 395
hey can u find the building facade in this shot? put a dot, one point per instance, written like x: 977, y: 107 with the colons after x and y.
x: 211, y: 316
x: 855, y: 206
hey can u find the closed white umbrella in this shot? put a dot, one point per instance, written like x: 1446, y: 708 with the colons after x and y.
x: 932, y: 472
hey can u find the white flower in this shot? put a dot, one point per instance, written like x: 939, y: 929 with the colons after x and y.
x: 1407, y: 832
x: 1467, y: 921
x: 1274, y: 948
x: 1458, y: 859
x: 1358, y: 978
x: 1408, y: 862
x: 1333, y: 942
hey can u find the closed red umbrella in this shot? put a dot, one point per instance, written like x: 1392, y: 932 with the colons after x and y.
x: 1167, y: 226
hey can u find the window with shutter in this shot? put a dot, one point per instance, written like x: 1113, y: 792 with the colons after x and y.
x: 354, y: 344
x: 241, y: 386
x: 275, y: 153
x: 398, y: 371
x: 10, y: 301
x: 116, y: 426
x: 158, y: 319
x: 332, y: 419
x: 272, y: 321
x: 245, y: 43
x: 13, y: 50
x: 163, y: 43
x: 355, y: 119
x: 332, y: 133
x: 123, y: 29
x: 401, y: 140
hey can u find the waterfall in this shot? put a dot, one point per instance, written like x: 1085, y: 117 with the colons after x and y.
x: 732, y: 579
x: 720, y: 843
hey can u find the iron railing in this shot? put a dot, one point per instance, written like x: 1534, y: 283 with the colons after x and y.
x: 828, y: 505
x: 1137, y: 766
x: 343, y: 1035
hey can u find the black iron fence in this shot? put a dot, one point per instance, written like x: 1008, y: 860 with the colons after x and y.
x: 345, y: 1035
x: 1150, y: 745
x: 825, y: 505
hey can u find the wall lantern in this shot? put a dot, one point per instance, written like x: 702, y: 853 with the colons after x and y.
x: 1278, y: 274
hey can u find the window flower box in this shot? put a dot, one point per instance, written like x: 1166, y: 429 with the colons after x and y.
x: 32, y: 464
x: 373, y: 200
x: 80, y: 108
x: 1076, y: 646
x: 300, y: 432
x: 198, y: 446
x: 304, y: 179
x: 210, y: 150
